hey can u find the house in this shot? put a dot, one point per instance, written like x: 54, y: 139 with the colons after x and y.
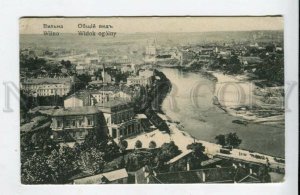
x: 119, y: 117
x: 145, y: 78
x: 80, y: 69
x: 76, y: 122
x: 213, y: 175
x: 79, y: 99
x: 115, y: 107
x: 90, y: 97
x: 109, y: 92
x: 119, y: 176
x: 47, y: 86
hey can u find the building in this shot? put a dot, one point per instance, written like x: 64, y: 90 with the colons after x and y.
x: 73, y: 124
x: 106, y: 94
x: 213, y: 175
x: 60, y: 86
x: 80, y: 69
x: 119, y: 117
x: 79, y: 99
x: 117, y: 112
x: 145, y: 78
x: 119, y: 176
x: 91, y: 97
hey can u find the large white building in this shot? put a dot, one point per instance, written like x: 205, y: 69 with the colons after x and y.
x: 48, y: 86
x: 144, y: 78
x: 117, y: 112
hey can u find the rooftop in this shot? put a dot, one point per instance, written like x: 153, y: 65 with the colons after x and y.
x: 113, y: 103
x: 213, y: 175
x: 80, y: 94
x: 96, y: 179
x: 76, y: 111
x: 48, y: 80
x: 178, y: 157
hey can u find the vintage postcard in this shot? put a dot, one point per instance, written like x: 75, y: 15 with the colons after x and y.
x: 152, y: 100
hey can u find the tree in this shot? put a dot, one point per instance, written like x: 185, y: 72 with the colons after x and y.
x: 168, y: 151
x: 63, y: 163
x: 233, y: 140
x: 230, y: 139
x: 123, y: 144
x: 221, y: 139
x: 138, y: 144
x: 35, y: 170
x: 122, y: 163
x: 94, y: 138
x: 92, y: 160
x: 152, y: 144
x: 198, y: 150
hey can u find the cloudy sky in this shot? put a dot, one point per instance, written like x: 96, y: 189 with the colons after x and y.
x: 155, y: 24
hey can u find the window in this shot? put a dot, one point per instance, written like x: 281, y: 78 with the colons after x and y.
x: 80, y: 134
x: 114, y: 133
x: 80, y: 123
x: 68, y: 124
x: 138, y: 127
x: 90, y: 121
x: 59, y: 124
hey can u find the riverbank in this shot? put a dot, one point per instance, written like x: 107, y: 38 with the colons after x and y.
x: 240, y: 97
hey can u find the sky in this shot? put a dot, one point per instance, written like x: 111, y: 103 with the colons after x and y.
x: 154, y: 24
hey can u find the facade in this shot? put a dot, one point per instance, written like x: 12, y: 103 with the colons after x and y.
x: 101, y: 96
x: 119, y: 117
x: 78, y: 99
x: 91, y: 97
x: 144, y: 78
x: 75, y: 122
x: 138, y: 81
x: 117, y: 112
x: 48, y: 86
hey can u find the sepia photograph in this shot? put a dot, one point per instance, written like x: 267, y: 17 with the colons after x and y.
x: 152, y: 100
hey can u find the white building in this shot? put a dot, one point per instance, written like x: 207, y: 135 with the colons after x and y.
x: 144, y: 78
x: 48, y: 86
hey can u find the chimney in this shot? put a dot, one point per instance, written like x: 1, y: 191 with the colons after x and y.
x: 187, y: 166
x: 203, y: 176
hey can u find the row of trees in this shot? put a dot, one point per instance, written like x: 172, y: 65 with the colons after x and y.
x: 230, y: 140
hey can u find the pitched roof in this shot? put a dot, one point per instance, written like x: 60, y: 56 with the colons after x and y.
x: 97, y: 179
x: 114, y: 175
x: 80, y: 94
x: 210, y: 161
x: 178, y: 157
x: 213, y: 175
x: 113, y: 103
x: 76, y: 111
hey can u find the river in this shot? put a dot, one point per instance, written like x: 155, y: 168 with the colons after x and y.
x: 190, y: 102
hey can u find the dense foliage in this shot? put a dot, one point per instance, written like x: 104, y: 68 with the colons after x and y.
x: 230, y: 139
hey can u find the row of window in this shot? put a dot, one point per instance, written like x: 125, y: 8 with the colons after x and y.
x: 126, y: 132
x: 71, y: 123
x: 123, y: 116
